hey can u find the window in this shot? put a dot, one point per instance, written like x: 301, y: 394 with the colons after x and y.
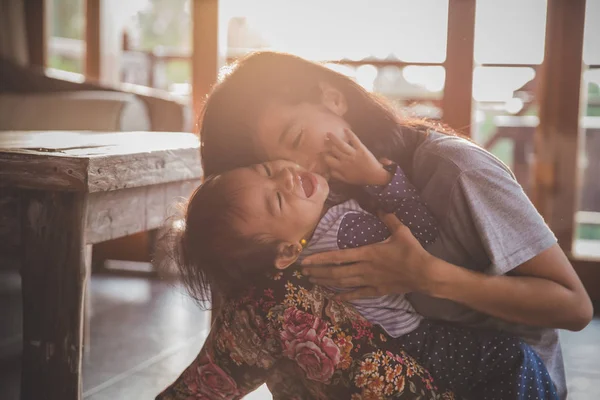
x: 400, y: 55
x: 509, y: 46
x: 66, y: 31
x: 157, y: 46
x: 587, y: 218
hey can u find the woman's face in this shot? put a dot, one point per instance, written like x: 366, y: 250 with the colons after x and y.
x: 298, y: 132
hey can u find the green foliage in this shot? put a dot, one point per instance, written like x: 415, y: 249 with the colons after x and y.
x: 165, y: 23
x: 179, y: 72
x: 588, y: 231
x: 68, y: 19
x: 65, y: 64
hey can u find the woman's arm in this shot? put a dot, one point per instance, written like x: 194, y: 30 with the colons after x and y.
x: 544, y: 291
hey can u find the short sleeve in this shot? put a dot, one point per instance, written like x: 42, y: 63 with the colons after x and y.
x: 489, y: 207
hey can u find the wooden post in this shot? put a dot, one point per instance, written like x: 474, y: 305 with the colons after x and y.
x: 556, y: 183
x: 35, y: 25
x: 92, y: 39
x: 54, y: 274
x: 205, y: 50
x: 458, y: 86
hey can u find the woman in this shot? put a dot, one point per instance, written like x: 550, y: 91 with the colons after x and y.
x: 518, y: 279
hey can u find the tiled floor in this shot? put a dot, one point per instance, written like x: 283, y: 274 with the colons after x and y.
x: 144, y: 333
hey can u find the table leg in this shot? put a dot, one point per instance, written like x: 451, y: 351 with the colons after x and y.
x: 54, y: 273
x: 87, y: 307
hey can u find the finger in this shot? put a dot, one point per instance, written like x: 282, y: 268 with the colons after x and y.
x: 337, y: 257
x: 343, y: 282
x: 391, y: 221
x: 338, y: 153
x: 337, y: 176
x: 386, y: 161
x: 332, y: 162
x: 340, y: 144
x: 360, y: 293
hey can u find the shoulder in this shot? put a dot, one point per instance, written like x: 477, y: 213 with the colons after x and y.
x: 442, y: 160
x: 456, y: 153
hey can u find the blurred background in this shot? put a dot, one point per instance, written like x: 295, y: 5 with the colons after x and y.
x: 521, y: 78
x: 397, y: 48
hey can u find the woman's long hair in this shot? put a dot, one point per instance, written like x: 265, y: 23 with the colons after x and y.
x: 228, y: 119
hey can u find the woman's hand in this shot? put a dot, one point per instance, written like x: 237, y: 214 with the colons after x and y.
x: 353, y: 163
x: 397, y: 265
x: 544, y: 291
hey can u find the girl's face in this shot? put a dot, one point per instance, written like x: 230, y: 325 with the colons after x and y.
x: 298, y: 132
x: 279, y: 198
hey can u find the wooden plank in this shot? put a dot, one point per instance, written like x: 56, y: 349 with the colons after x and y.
x: 38, y: 171
x: 556, y: 183
x: 124, y: 212
x: 86, y: 143
x: 205, y: 49
x: 458, y: 86
x: 97, y: 162
x: 589, y: 273
x: 35, y: 25
x: 145, y: 169
x: 92, y: 39
x: 53, y: 283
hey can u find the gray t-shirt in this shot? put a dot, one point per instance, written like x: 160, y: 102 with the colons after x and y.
x: 487, y: 224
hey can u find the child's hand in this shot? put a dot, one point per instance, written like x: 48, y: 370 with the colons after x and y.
x: 353, y: 163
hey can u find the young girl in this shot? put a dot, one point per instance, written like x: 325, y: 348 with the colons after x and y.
x: 495, y: 264
x: 258, y: 219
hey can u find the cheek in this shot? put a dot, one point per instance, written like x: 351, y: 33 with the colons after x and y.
x: 315, y: 143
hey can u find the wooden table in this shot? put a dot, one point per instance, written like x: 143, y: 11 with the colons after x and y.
x: 63, y: 192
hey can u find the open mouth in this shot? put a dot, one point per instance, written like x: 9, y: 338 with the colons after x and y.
x: 309, y: 183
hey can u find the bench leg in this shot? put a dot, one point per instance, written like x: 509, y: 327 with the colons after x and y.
x: 54, y: 273
x: 87, y: 311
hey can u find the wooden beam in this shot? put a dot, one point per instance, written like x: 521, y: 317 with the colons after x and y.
x: 92, y: 39
x: 35, y: 25
x: 53, y: 285
x: 556, y: 182
x: 458, y: 86
x: 589, y: 273
x: 205, y: 51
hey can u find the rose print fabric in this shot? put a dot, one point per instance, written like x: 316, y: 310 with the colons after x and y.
x: 304, y: 345
x: 291, y: 335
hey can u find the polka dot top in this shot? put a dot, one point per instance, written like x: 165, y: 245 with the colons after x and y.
x: 347, y: 225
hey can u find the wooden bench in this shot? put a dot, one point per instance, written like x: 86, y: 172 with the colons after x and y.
x: 62, y: 192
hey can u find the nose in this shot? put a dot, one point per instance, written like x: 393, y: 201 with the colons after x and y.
x: 285, y: 179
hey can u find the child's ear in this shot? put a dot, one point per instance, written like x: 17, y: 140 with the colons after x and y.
x: 287, y: 254
x: 333, y: 99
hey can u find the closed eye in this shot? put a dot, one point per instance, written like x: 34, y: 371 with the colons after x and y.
x: 279, y: 199
x: 296, y: 142
x: 267, y: 169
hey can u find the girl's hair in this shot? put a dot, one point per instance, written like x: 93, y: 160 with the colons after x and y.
x: 228, y: 119
x: 210, y: 254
